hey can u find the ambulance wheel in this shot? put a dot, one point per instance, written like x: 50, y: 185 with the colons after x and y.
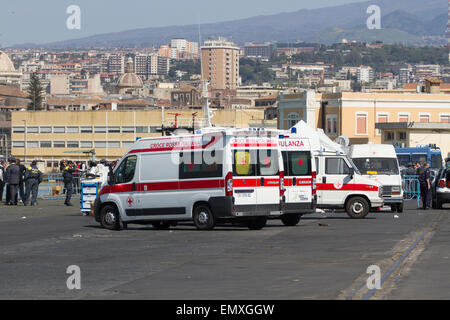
x: 357, y: 208
x: 203, y: 217
x: 400, y: 207
x: 161, y: 225
x: 290, y: 220
x: 393, y: 207
x: 109, y: 218
x: 257, y: 223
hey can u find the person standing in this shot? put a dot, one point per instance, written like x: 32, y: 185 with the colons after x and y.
x: 13, y: 179
x: 2, y: 178
x: 21, y: 187
x: 33, y: 177
x: 68, y: 182
x: 425, y: 186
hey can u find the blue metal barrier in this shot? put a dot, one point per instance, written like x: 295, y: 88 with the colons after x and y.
x: 411, y: 188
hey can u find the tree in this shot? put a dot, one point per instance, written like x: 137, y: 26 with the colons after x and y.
x: 35, y: 93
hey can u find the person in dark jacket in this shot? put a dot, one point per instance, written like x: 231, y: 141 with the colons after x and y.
x: 2, y: 178
x: 33, y: 177
x: 21, y: 186
x: 13, y: 178
x: 68, y: 181
x: 425, y: 186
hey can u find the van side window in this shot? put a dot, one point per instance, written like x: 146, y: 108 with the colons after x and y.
x: 195, y: 165
x: 126, y: 170
x: 297, y: 163
x: 244, y: 163
x: 317, y: 165
x: 268, y: 163
x: 336, y: 166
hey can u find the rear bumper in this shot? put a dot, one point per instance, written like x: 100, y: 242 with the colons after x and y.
x: 303, y: 208
x: 443, y: 196
x: 392, y: 200
x: 224, y: 207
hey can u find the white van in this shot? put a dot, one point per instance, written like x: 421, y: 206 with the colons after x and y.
x: 339, y: 183
x: 379, y: 162
x: 225, y: 175
x: 300, y: 197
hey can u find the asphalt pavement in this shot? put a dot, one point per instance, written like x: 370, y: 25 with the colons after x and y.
x: 325, y: 257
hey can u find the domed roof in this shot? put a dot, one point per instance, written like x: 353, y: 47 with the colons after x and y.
x: 130, y: 79
x: 6, y: 64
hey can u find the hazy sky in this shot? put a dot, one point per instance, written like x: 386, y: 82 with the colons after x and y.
x: 42, y: 21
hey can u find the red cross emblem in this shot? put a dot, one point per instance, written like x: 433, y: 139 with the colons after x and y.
x: 130, y: 201
x: 300, y: 162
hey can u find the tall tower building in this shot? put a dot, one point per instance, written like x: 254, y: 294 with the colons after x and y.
x: 220, y: 64
x: 448, y: 24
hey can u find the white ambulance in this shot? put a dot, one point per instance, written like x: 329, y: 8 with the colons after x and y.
x: 379, y: 163
x: 205, y: 178
x: 339, y: 183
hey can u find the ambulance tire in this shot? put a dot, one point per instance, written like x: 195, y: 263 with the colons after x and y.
x: 393, y: 208
x: 357, y: 208
x: 290, y: 220
x: 109, y: 218
x: 203, y: 217
x: 161, y: 225
x: 400, y: 208
x: 257, y: 223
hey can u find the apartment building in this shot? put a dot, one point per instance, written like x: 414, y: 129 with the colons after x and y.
x: 151, y: 65
x: 220, y: 64
x: 113, y: 63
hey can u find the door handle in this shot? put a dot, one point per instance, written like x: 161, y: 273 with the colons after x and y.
x: 262, y: 182
x: 324, y: 180
x: 294, y: 182
x: 133, y: 186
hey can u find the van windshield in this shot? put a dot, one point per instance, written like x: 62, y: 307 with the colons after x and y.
x: 377, y: 166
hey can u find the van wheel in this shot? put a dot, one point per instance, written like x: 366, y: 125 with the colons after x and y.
x: 257, y: 223
x: 203, y: 217
x: 357, y: 208
x: 109, y: 218
x: 400, y: 207
x: 393, y: 208
x: 161, y: 225
x: 290, y: 220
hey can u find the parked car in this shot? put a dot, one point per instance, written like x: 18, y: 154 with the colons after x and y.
x: 441, y: 187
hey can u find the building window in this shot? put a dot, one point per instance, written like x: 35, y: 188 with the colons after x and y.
x: 32, y: 144
x: 424, y: 118
x: 59, y: 129
x: 444, y: 118
x: 72, y: 144
x: 331, y: 128
x: 293, y: 118
x: 18, y: 144
x: 32, y: 130
x: 127, y: 144
x: 86, y: 144
x: 18, y: 130
x: 46, y: 144
x: 141, y: 129
x: 127, y: 129
x: 403, y: 117
x: 113, y: 144
x: 100, y: 144
x: 113, y: 129
x: 45, y: 130
x: 361, y: 124
x: 389, y: 136
x: 59, y: 144
x: 382, y: 118
x: 86, y: 129
x: 100, y: 129
x: 402, y: 135
x: 72, y: 129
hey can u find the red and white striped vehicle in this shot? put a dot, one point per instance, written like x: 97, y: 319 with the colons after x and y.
x: 232, y: 175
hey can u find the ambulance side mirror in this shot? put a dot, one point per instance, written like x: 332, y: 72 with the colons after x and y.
x: 111, y: 179
x: 352, y: 172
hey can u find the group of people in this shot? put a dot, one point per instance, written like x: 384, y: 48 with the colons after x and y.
x: 19, y: 180
x: 424, y: 175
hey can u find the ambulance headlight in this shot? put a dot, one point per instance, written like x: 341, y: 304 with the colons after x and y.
x: 380, y: 192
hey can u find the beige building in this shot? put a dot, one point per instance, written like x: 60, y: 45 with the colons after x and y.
x: 54, y: 135
x: 220, y: 64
